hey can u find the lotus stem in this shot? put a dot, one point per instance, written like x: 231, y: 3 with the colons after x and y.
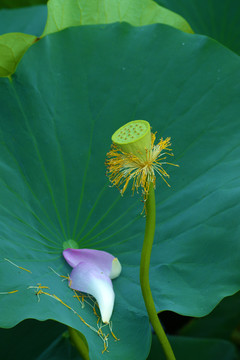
x: 79, y: 342
x: 144, y: 274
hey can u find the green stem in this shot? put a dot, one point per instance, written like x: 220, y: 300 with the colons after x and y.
x: 79, y: 341
x: 144, y: 274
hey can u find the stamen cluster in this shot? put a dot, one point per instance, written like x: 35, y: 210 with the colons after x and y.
x: 122, y: 166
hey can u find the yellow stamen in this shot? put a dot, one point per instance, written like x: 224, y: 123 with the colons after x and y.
x: 63, y: 276
x: 38, y: 287
x: 113, y: 335
x: 93, y: 304
x: 77, y: 296
x: 100, y: 331
x: 94, y: 311
x: 123, y: 166
x: 8, y: 292
x: 105, y: 343
x: 18, y: 266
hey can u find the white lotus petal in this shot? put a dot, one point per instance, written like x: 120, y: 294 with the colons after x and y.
x: 87, y: 278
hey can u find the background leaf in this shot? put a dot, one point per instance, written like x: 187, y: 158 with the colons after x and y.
x: 218, y: 19
x: 84, y: 12
x: 60, y: 349
x: 30, y: 20
x: 221, y: 323
x: 58, y: 115
x: 12, y: 48
x: 29, y: 338
x: 195, y: 348
x: 20, y: 3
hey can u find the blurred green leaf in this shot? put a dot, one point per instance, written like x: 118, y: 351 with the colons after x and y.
x: 12, y: 48
x: 220, y: 323
x: 62, y: 14
x: 20, y: 3
x: 60, y: 349
x: 30, y: 20
x: 29, y: 339
x: 195, y: 348
x: 58, y: 113
x: 217, y: 19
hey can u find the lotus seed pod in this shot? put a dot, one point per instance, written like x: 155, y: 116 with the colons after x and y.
x: 134, y: 137
x: 70, y: 244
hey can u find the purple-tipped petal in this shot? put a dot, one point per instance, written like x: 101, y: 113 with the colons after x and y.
x: 87, y: 278
x: 103, y: 260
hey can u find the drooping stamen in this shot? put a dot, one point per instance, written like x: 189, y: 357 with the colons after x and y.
x: 17, y: 265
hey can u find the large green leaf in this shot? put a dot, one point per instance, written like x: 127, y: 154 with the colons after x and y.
x: 30, y: 20
x: 218, y: 19
x: 58, y: 114
x: 62, y: 14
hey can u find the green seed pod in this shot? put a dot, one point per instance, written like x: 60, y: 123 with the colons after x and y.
x: 134, y: 137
